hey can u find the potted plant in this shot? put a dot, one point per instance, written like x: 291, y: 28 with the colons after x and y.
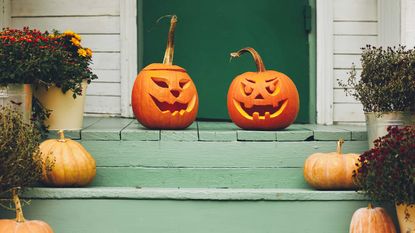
x: 386, y: 88
x: 64, y: 92
x: 22, y: 52
x: 20, y: 166
x: 387, y: 170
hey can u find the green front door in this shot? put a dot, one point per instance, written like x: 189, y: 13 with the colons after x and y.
x: 207, y: 31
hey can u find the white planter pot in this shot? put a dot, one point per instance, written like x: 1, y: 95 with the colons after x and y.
x: 377, y: 125
x: 19, y: 96
x: 67, y: 112
x: 406, y: 218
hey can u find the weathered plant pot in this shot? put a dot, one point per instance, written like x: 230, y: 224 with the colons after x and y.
x: 377, y: 125
x: 19, y: 96
x: 406, y: 218
x: 67, y: 112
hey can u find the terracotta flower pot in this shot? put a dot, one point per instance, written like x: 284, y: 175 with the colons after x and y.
x: 406, y: 218
x: 67, y: 112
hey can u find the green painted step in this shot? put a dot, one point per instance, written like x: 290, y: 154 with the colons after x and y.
x: 201, y: 164
x: 119, y: 210
x: 127, y: 129
x: 207, y: 154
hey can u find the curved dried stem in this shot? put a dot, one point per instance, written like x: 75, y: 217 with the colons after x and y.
x: 257, y: 58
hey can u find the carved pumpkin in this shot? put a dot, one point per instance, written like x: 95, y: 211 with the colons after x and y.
x: 164, y: 96
x: 371, y: 220
x: 72, y: 165
x: 331, y: 170
x: 20, y: 224
x: 264, y: 100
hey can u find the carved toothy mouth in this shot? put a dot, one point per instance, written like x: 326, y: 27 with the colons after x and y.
x: 175, y: 108
x: 261, y: 112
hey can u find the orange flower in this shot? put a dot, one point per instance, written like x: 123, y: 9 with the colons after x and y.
x: 75, y: 42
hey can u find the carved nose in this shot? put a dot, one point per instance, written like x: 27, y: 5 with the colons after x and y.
x: 176, y: 93
x: 259, y: 97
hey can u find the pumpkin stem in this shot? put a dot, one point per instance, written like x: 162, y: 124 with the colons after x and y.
x: 340, y: 145
x: 61, y: 136
x: 18, y: 206
x: 370, y: 206
x: 258, y: 60
x: 168, y: 55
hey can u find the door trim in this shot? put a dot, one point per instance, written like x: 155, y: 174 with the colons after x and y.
x: 324, y: 85
x: 128, y: 53
x: 5, y: 8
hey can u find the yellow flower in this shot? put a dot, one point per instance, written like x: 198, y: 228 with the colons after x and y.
x: 68, y: 33
x: 75, y: 42
x: 82, y: 52
x: 52, y: 36
x: 77, y: 36
x: 88, y: 52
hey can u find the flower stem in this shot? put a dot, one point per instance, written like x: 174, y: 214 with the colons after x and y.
x: 168, y: 55
x: 258, y: 60
x: 18, y: 206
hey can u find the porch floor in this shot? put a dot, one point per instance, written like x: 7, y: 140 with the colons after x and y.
x: 127, y: 129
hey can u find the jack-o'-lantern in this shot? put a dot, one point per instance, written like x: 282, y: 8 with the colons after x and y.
x: 164, y: 96
x: 262, y: 100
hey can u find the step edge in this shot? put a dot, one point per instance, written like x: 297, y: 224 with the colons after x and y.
x: 192, y: 194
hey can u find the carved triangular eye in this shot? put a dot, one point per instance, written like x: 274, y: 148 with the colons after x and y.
x: 272, y: 85
x: 160, y: 82
x: 184, y: 83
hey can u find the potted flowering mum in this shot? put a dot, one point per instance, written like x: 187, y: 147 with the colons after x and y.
x: 55, y: 64
x: 22, y: 53
x: 64, y: 92
x: 387, y: 173
x: 386, y: 88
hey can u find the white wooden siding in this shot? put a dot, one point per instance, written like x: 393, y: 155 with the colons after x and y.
x: 98, y: 22
x: 408, y: 22
x: 355, y: 24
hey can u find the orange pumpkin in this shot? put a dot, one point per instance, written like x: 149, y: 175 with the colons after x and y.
x: 264, y: 100
x: 72, y: 165
x: 20, y: 224
x: 331, y: 170
x: 371, y: 220
x: 164, y: 96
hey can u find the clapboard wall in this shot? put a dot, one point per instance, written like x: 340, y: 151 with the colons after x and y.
x: 408, y: 22
x: 355, y: 24
x: 98, y: 22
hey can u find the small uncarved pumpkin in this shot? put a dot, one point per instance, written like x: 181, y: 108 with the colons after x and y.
x: 71, y: 164
x: 20, y: 224
x: 371, y: 220
x: 331, y: 170
x: 164, y: 96
x: 262, y: 100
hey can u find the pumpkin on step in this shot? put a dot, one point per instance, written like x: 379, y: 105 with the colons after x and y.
x: 331, y: 170
x: 262, y: 100
x: 371, y: 220
x: 20, y: 224
x: 72, y: 164
x: 164, y: 96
